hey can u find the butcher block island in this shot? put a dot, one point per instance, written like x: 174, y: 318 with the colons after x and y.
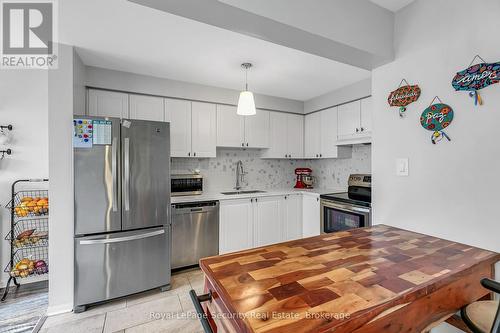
x: 379, y: 279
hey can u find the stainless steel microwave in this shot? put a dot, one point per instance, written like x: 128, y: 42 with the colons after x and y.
x: 186, y: 184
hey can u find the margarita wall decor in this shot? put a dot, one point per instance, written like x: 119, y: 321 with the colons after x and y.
x: 436, y: 118
x: 477, y: 77
x: 403, y: 96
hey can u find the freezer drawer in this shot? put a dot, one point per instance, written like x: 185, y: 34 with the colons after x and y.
x: 195, y: 232
x: 120, y: 264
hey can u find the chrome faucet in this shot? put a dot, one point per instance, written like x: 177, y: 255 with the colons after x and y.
x: 240, y: 175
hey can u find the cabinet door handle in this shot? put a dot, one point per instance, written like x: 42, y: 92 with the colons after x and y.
x: 194, y: 154
x: 285, y: 197
x: 189, y: 154
x: 286, y: 155
x: 362, y: 129
x: 317, y: 199
x: 255, y: 199
x: 320, y: 155
x: 247, y: 144
x: 357, y: 130
x: 242, y: 144
x: 251, y: 200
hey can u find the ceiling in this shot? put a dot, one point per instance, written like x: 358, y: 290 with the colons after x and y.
x: 121, y: 35
x: 392, y: 5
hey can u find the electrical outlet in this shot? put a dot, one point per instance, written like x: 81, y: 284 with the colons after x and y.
x: 402, y: 167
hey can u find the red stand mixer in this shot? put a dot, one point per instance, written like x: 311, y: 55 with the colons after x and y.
x: 304, y: 178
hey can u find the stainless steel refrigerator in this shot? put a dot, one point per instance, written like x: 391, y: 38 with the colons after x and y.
x: 122, y: 208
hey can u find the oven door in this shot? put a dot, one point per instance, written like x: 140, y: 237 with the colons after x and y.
x: 336, y: 216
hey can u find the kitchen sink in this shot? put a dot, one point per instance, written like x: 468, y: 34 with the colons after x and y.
x: 242, y: 192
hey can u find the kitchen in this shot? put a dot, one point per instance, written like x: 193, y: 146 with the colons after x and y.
x: 315, y: 110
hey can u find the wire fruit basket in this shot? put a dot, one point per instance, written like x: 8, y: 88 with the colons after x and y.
x: 32, y: 232
x: 29, y: 232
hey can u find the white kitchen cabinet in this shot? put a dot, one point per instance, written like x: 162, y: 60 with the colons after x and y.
x: 236, y: 131
x: 230, y: 127
x: 179, y: 114
x: 349, y: 119
x: 366, y: 115
x: 292, y: 217
x: 257, y: 130
x: 355, y: 122
x: 268, y: 223
x: 203, y: 130
x: 236, y: 225
x: 295, y: 136
x: 286, y: 136
x: 311, y: 216
x: 146, y: 107
x: 312, y: 135
x: 278, y: 136
x: 103, y: 103
x: 321, y: 136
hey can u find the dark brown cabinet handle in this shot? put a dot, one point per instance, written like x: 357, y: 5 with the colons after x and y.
x: 357, y: 130
x: 242, y: 144
x: 194, y: 154
x: 320, y: 155
x: 247, y: 144
x: 189, y: 154
x: 362, y: 129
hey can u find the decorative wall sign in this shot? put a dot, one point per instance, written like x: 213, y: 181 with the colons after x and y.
x: 403, y: 96
x: 477, y: 77
x: 436, y: 118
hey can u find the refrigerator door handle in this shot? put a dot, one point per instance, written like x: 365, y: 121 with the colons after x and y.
x: 126, y: 171
x: 114, y: 172
x: 121, y: 239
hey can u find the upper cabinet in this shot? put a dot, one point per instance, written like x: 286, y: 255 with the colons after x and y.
x: 178, y: 112
x: 242, y: 131
x: 355, y: 122
x: 230, y: 127
x: 103, y: 103
x: 192, y: 128
x: 203, y: 130
x: 147, y: 107
x: 321, y: 135
x: 257, y: 130
x: 312, y: 135
x: 286, y: 136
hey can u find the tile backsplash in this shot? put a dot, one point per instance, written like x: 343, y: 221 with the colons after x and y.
x: 220, y: 172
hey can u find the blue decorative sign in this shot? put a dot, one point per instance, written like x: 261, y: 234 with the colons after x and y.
x: 477, y: 77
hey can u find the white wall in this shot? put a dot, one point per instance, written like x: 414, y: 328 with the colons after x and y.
x: 61, y: 83
x: 117, y: 80
x: 451, y: 191
x: 23, y: 104
x: 340, y: 96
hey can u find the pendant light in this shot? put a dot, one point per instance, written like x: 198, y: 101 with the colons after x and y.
x: 246, y: 102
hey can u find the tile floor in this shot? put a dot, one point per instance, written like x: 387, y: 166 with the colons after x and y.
x: 152, y: 311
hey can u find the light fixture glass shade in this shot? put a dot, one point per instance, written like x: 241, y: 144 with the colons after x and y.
x: 246, y: 104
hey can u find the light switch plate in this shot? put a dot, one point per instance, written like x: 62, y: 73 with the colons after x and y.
x: 402, y: 166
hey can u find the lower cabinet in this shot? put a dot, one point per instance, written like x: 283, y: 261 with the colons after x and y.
x: 268, y: 220
x: 253, y: 222
x: 292, y: 221
x: 235, y: 225
x: 311, y: 215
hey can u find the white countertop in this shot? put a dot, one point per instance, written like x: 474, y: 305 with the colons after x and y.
x: 217, y: 195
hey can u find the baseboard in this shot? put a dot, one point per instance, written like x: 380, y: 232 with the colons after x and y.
x: 58, y: 309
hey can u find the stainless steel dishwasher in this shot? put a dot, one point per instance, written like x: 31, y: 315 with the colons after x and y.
x: 195, y: 232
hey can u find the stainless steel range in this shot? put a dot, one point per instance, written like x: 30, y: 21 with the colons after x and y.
x: 348, y: 210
